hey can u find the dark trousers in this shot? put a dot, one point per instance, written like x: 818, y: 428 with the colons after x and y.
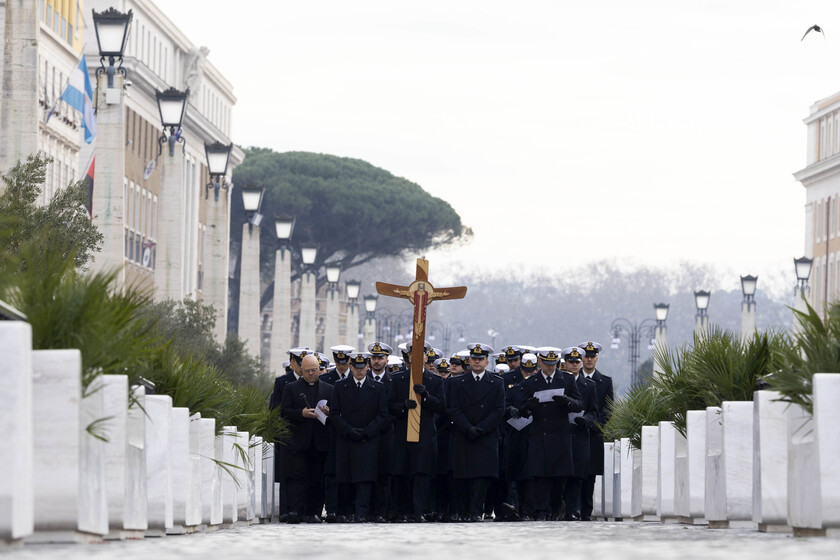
x: 543, y: 489
x: 363, y: 491
x: 477, y: 494
x: 443, y: 485
x: 571, y: 495
x: 346, y: 498
x: 330, y: 494
x: 304, y: 486
x: 587, y: 491
x: 382, y: 496
x: 460, y: 496
x: 526, y: 498
x: 412, y: 494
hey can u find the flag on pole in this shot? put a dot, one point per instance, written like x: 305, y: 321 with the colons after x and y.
x: 79, y: 95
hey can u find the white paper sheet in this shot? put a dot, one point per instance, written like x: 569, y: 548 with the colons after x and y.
x: 545, y: 396
x: 573, y: 415
x: 520, y: 423
x: 320, y: 413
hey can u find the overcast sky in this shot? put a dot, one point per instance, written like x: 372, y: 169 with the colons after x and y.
x: 648, y: 132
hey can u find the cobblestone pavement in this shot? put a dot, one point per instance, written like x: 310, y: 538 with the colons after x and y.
x: 485, y: 541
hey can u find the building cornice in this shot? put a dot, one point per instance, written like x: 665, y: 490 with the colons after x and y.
x: 817, y: 171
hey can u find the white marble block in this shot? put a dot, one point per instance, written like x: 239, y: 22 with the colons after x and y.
x: 211, y: 484
x: 56, y: 404
x: 230, y: 481
x: 598, y: 498
x: 737, y: 456
x: 245, y: 499
x: 665, y: 496
x: 158, y: 464
x: 636, y: 494
x: 625, y: 452
x: 715, y: 481
x: 681, y: 498
x: 803, y: 485
x: 136, y: 505
x: 650, y: 471
x: 259, y: 477
x: 115, y: 401
x: 93, y: 502
x: 179, y: 464
x: 827, y: 420
x: 193, y: 514
x: 770, y: 461
x: 268, y: 478
x: 696, y: 454
x: 16, y: 513
x: 609, y: 480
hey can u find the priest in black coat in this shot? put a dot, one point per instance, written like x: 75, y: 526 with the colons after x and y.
x: 549, y: 459
x: 478, y: 408
x: 306, y: 449
x: 603, y: 399
x: 358, y: 413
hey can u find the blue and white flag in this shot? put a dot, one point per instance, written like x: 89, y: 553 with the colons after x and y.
x: 79, y: 95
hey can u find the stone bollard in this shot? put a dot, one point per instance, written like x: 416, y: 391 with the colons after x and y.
x: 665, y: 497
x: 650, y: 473
x: 715, y: 482
x: 681, y: 489
x: 269, y: 503
x: 16, y: 491
x: 211, y: 482
x: 136, y: 502
x: 115, y: 400
x: 93, y: 502
x: 609, y: 481
x: 230, y: 482
x: 770, y: 462
x: 245, y: 474
x: 179, y: 457
x: 259, y: 478
x: 732, y: 495
x: 158, y: 465
x: 827, y: 418
x: 625, y: 459
x: 598, y: 498
x: 636, y: 494
x: 696, y: 462
x: 194, y: 497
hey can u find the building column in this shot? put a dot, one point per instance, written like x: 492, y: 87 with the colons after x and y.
x: 19, y: 96
x: 307, y: 335
x: 217, y: 261
x: 701, y: 325
x: 747, y: 320
x: 800, y: 297
x: 369, y: 331
x: 351, y: 332
x: 249, y: 290
x: 169, y: 263
x: 281, y: 328
x: 109, y: 177
x: 331, y: 325
x: 660, y: 343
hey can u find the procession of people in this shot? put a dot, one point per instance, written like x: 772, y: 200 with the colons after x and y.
x: 518, y: 440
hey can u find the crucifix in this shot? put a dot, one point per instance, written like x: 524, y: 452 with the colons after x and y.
x: 421, y: 293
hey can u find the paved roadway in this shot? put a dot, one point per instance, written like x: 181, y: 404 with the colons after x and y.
x: 484, y: 541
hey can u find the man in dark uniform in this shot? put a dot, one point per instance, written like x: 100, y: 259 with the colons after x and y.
x: 358, y: 413
x: 414, y: 462
x: 339, y: 505
x: 513, y: 356
x: 383, y: 491
x: 341, y: 357
x: 580, y: 432
x: 478, y: 407
x: 603, y: 396
x: 549, y: 440
x: 518, y: 495
x: 306, y: 450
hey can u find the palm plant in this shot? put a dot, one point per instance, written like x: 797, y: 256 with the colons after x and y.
x: 642, y: 405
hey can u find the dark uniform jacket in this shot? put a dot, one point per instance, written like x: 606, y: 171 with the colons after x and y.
x: 580, y: 434
x: 277, y: 394
x: 513, y: 377
x: 550, y: 438
x: 516, y: 441
x: 305, y: 431
x: 480, y: 404
x: 386, y: 442
x: 419, y: 457
x: 443, y: 424
x: 355, y: 407
x: 332, y: 377
x: 603, y: 395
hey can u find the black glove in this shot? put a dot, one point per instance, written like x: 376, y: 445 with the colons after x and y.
x: 474, y: 432
x: 525, y: 412
x: 420, y: 389
x: 356, y: 434
x: 581, y: 421
x: 562, y: 399
x: 532, y: 403
x: 513, y: 412
x: 409, y: 403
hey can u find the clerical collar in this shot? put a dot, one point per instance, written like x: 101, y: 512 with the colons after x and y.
x: 313, y: 383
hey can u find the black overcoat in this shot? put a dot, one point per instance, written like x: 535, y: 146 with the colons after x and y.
x: 419, y: 457
x: 549, y: 438
x: 355, y: 407
x: 386, y: 440
x: 280, y: 383
x: 480, y: 404
x: 580, y: 434
x: 305, y: 431
x: 516, y: 441
x: 603, y: 396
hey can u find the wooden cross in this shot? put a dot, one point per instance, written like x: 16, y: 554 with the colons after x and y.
x: 421, y: 293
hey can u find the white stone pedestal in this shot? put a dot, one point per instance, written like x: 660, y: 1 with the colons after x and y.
x: 179, y: 464
x: 93, y: 502
x: 636, y: 495
x: 16, y: 513
x: 259, y: 477
x: 650, y: 473
x: 696, y: 462
x: 735, y: 469
x: 245, y: 474
x: 194, y: 498
x: 666, y: 492
x: 268, y: 482
x: 715, y: 502
x: 230, y: 483
x: 136, y: 504
x: 625, y: 469
x: 598, y: 498
x: 115, y: 401
x: 770, y: 462
x: 681, y: 505
x: 609, y: 481
x: 158, y: 465
x: 211, y: 482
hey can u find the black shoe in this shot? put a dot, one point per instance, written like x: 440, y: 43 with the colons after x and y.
x: 400, y: 518
x: 586, y: 518
x: 475, y: 519
x: 331, y: 518
x: 282, y: 518
x: 441, y: 518
x: 312, y: 519
x: 527, y: 518
x: 341, y: 519
x: 292, y: 518
x: 572, y: 517
x: 360, y: 519
x: 454, y: 518
x: 379, y: 519
x: 541, y: 517
x: 507, y: 513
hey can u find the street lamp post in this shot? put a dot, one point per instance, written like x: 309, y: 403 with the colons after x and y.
x: 281, y: 328
x: 634, y: 333
x: 218, y: 159
x: 108, y: 199
x: 701, y: 319
x: 748, y: 285
x: 802, y: 266
x: 351, y: 338
x: 660, y: 339
x: 169, y: 281
x: 249, y: 276
x: 307, y: 328
x: 215, y: 271
x: 331, y: 324
x: 369, y: 329
x: 448, y: 330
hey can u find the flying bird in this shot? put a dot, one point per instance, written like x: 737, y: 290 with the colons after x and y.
x: 814, y: 27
